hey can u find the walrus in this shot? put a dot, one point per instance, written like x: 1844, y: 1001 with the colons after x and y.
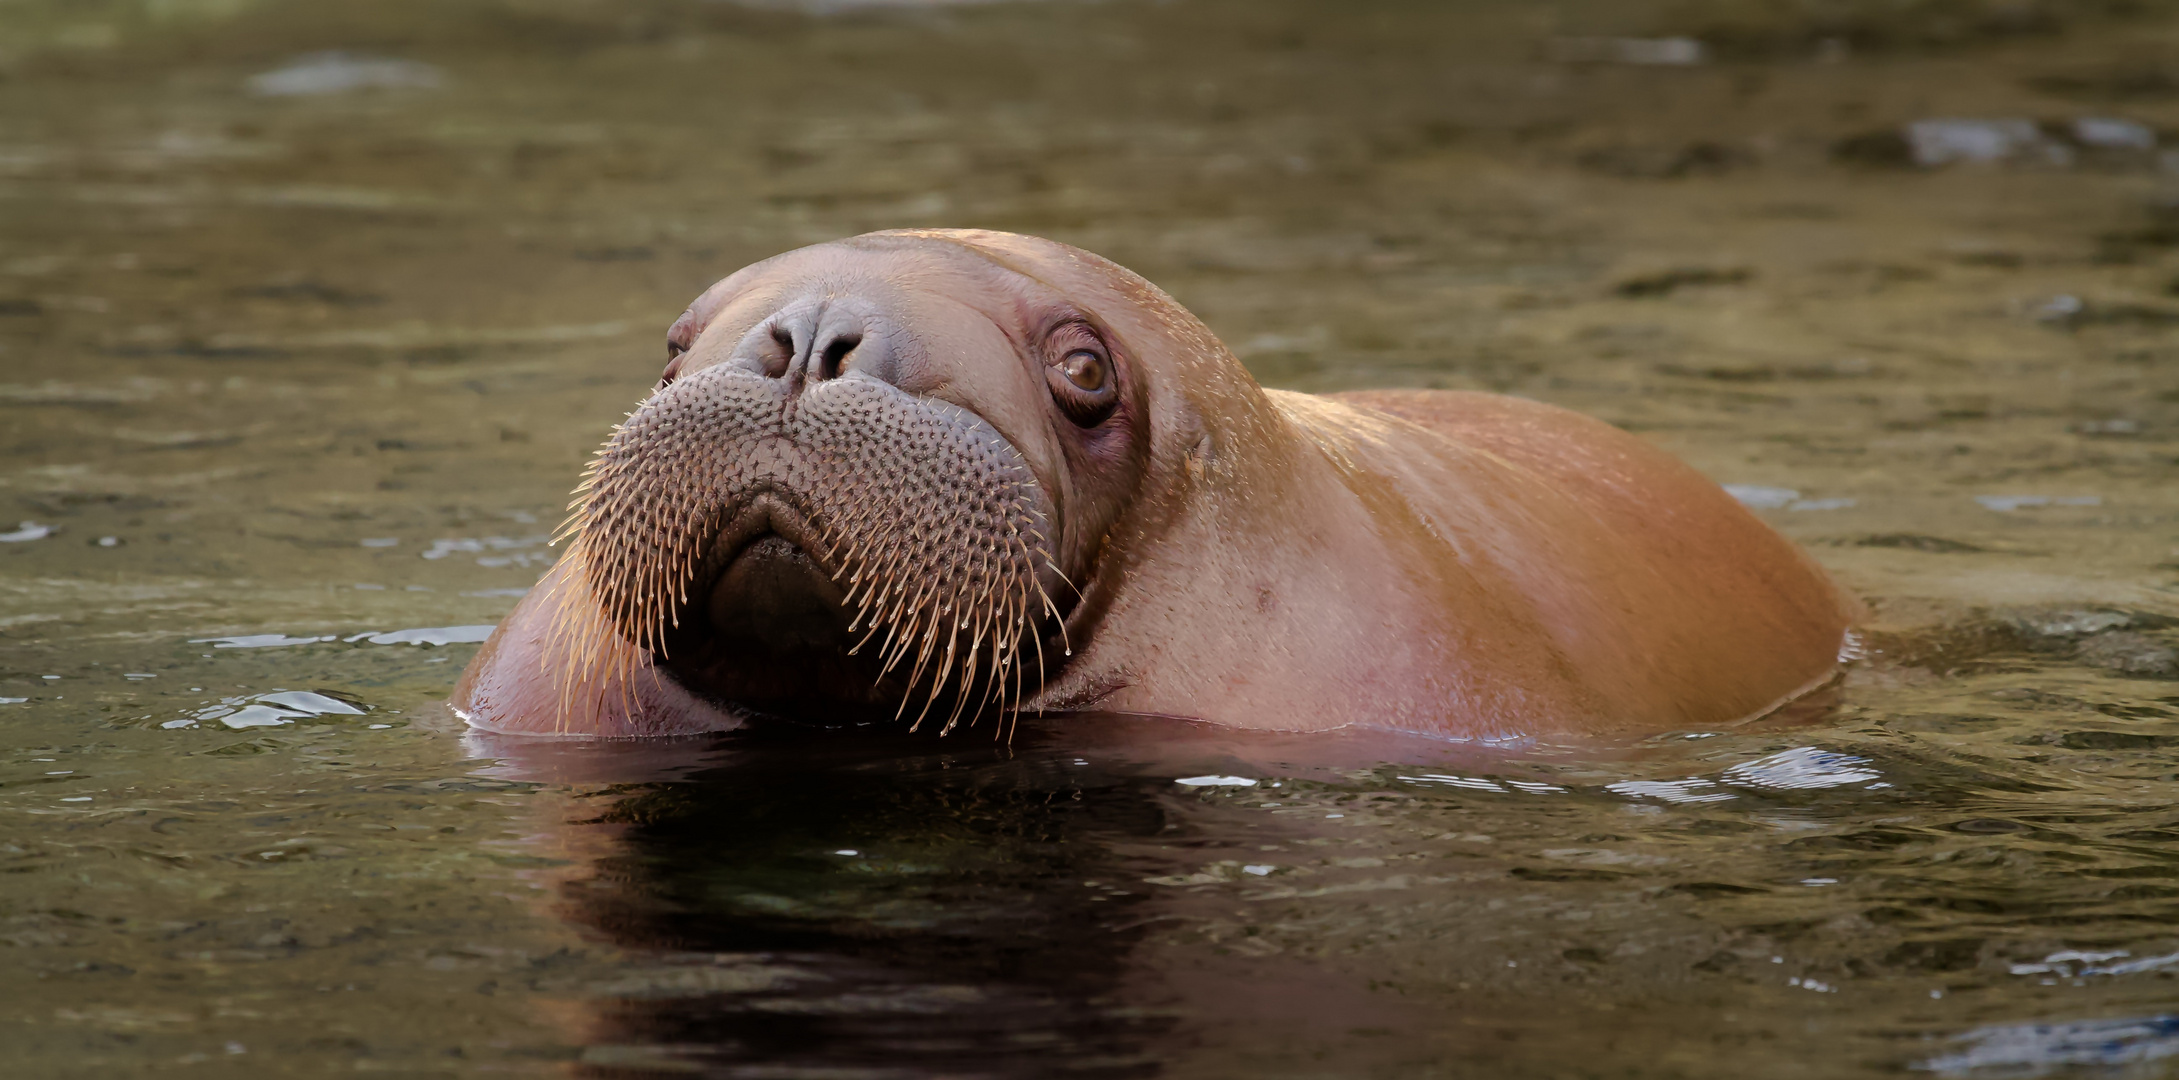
x: 937, y: 476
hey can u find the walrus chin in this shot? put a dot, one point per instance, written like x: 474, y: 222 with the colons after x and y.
x: 837, y: 548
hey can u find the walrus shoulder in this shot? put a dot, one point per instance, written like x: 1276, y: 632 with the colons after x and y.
x: 1651, y: 582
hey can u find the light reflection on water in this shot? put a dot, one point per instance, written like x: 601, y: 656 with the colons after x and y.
x: 317, y: 331
x: 2022, y: 1050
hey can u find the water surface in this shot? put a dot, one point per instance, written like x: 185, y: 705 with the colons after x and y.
x: 309, y: 314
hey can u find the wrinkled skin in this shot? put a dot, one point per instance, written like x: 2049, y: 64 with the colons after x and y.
x: 1172, y: 540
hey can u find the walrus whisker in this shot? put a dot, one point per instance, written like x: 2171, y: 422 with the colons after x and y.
x: 940, y: 674
x: 930, y: 645
x: 938, y: 570
x: 938, y: 682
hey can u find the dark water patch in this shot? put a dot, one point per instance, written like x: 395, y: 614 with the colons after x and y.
x: 1935, y: 545
x: 2132, y: 654
x: 1666, y: 282
x: 1701, y: 157
x: 635, y: 253
x: 2130, y: 642
x: 310, y: 290
x: 930, y: 908
x: 2120, y: 81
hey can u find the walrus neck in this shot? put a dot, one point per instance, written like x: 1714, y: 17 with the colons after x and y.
x: 1253, y: 541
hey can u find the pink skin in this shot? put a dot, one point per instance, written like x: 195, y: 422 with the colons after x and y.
x: 1452, y: 564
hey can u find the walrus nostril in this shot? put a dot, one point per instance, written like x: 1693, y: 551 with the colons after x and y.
x: 775, y: 362
x: 835, y: 355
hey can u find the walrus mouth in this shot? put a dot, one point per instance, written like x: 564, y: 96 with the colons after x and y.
x: 745, y: 534
x: 764, y: 589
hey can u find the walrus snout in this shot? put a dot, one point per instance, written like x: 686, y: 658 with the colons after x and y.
x: 773, y: 538
x: 821, y: 338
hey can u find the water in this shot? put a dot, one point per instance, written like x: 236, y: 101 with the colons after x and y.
x: 309, y: 314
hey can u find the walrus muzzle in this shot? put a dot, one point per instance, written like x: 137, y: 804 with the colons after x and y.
x: 818, y: 547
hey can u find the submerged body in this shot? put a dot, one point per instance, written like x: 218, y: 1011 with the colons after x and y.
x: 967, y: 472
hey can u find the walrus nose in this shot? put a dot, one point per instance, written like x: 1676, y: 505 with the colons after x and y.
x: 812, y: 342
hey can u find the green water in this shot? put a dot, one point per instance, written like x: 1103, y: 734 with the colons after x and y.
x: 324, y: 365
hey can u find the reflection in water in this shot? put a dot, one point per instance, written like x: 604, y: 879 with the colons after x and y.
x: 276, y: 709
x: 338, y: 73
x: 428, y: 635
x: 2022, y: 1050
x: 877, y: 905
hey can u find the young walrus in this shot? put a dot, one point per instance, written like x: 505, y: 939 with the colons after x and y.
x: 947, y: 475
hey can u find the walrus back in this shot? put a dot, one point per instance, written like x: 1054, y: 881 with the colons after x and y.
x: 1671, y: 604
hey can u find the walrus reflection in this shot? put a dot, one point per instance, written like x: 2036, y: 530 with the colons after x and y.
x: 938, y: 476
x: 778, y: 898
x: 889, y: 906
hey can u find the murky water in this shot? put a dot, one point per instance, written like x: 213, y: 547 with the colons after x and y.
x: 310, y: 313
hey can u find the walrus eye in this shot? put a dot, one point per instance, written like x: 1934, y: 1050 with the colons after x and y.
x: 1082, y: 385
x: 674, y: 355
x: 1085, y: 369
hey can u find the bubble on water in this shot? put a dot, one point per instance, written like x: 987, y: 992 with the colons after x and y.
x: 29, y: 530
x: 2005, y: 504
x: 1258, y: 869
x: 1762, y: 498
x: 2114, y: 133
x: 1215, y: 781
x: 1946, y: 140
x: 319, y: 74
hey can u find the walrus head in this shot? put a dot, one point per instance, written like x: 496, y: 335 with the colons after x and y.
x: 873, y: 478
